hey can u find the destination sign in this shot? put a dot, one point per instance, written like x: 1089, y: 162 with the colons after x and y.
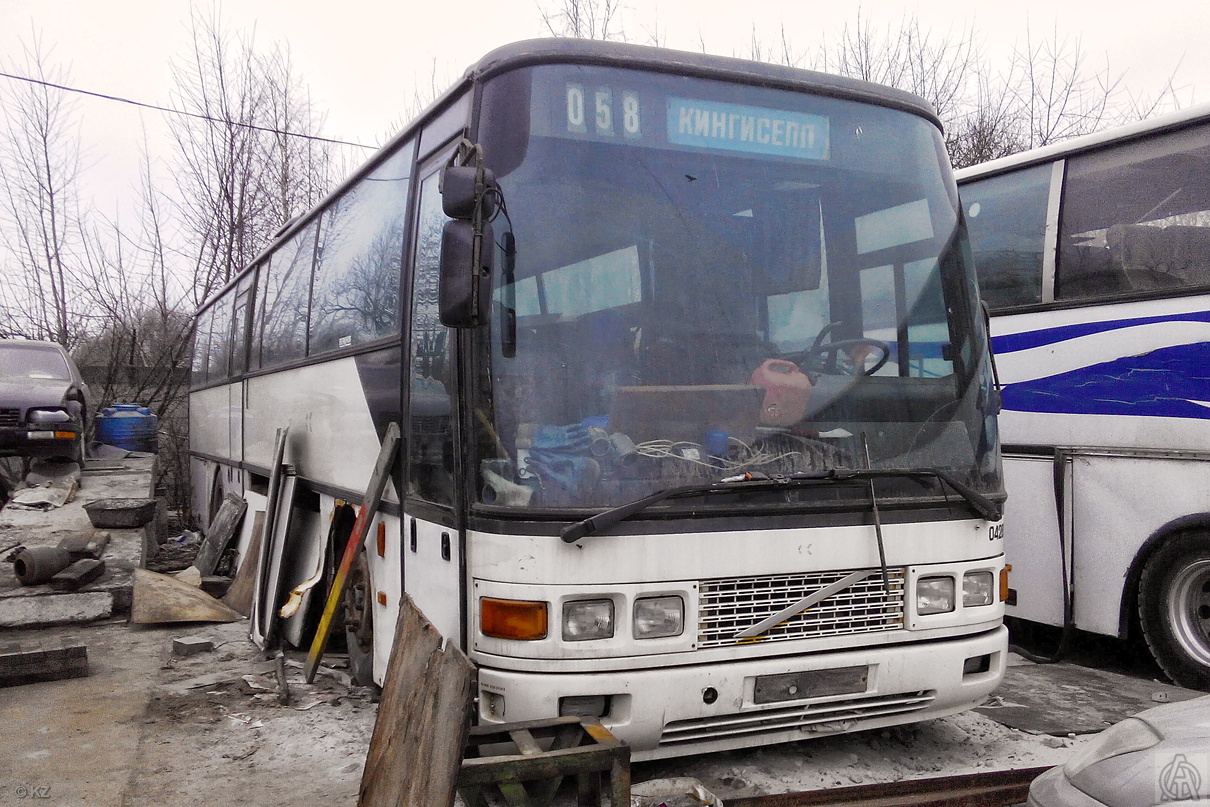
x: 735, y: 127
x: 611, y: 113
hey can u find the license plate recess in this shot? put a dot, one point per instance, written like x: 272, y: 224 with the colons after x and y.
x: 810, y: 684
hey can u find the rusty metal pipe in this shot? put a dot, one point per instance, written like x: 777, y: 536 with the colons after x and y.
x: 38, y: 564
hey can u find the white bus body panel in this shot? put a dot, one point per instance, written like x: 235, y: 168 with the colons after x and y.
x: 1130, y: 474
x: 1031, y: 540
x: 656, y: 686
x: 1120, y: 502
x: 332, y: 435
x: 1134, y: 337
x: 432, y: 576
x: 661, y: 712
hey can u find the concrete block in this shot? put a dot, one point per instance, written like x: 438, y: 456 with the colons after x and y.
x: 86, y: 544
x: 79, y: 574
x: 27, y: 662
x: 55, y: 609
x: 191, y: 645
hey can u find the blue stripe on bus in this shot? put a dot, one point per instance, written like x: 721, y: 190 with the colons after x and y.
x: 1011, y: 343
x: 1161, y: 383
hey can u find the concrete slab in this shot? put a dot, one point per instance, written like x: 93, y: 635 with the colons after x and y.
x: 79, y: 738
x: 110, y: 594
x: 1062, y: 699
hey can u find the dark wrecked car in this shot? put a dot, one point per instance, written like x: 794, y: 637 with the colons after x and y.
x: 43, y: 401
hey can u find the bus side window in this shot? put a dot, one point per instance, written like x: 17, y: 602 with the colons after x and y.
x: 1006, y: 219
x: 431, y: 377
x: 1136, y: 218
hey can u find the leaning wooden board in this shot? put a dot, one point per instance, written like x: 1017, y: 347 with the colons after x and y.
x: 365, y: 515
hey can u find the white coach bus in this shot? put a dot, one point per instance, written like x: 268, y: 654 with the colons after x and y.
x: 698, y: 417
x: 1094, y: 256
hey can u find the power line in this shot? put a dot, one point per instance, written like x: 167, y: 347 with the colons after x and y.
x: 197, y: 115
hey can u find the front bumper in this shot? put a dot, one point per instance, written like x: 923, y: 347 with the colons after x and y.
x: 39, y: 441
x: 673, y: 711
x: 1054, y: 789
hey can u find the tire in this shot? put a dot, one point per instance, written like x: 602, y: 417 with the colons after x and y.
x: 359, y: 622
x: 1174, y: 608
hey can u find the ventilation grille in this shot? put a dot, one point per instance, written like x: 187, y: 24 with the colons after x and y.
x: 833, y: 717
x: 731, y: 605
x: 10, y: 418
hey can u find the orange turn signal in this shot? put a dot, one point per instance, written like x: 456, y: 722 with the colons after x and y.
x: 1004, y: 582
x: 520, y: 620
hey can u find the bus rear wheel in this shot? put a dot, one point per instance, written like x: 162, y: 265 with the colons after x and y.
x: 1174, y: 609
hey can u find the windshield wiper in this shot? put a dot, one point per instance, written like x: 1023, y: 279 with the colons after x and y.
x: 605, y: 520
x: 982, y: 505
x: 592, y: 525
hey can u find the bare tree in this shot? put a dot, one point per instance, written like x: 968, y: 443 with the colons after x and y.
x: 938, y: 68
x: 585, y: 19
x: 248, y: 160
x: 1058, y: 97
x: 41, y: 216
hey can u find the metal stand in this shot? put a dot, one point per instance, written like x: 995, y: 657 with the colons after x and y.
x: 526, y: 762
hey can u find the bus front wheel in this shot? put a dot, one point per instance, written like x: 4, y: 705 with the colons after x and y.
x: 1174, y: 608
x: 359, y: 621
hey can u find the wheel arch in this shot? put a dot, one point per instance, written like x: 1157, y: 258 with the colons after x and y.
x: 1128, y: 614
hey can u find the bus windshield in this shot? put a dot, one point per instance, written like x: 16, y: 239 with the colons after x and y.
x: 696, y: 280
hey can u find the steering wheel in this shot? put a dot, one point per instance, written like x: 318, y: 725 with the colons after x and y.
x: 822, y: 356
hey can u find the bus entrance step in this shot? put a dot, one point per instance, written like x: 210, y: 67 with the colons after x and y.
x: 527, y: 762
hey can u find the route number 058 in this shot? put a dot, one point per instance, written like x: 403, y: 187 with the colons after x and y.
x: 599, y: 103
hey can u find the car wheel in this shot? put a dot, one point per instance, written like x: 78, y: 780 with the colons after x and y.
x: 359, y: 621
x: 1174, y: 608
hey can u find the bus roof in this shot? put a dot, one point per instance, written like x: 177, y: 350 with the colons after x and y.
x: 640, y: 57
x: 563, y: 50
x: 1077, y: 145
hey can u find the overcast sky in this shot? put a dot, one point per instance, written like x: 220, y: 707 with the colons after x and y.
x: 363, y: 60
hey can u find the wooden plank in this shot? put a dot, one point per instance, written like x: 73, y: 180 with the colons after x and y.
x: 239, y: 596
x: 423, y: 719
x: 222, y: 530
x: 28, y: 662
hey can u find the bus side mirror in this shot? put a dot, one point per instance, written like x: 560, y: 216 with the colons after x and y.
x: 458, y: 192
x: 464, y: 288
x: 467, y: 246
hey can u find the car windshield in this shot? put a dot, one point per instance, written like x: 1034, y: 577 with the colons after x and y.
x: 25, y: 361
x: 695, y: 280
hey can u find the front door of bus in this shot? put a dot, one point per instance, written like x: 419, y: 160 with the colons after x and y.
x: 432, y: 557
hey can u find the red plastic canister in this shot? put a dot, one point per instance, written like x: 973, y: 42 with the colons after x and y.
x: 787, y: 390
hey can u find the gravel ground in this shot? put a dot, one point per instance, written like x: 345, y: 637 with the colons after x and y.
x: 148, y: 728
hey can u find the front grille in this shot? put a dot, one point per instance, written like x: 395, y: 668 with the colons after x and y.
x: 728, y: 606
x: 831, y: 717
x: 10, y: 418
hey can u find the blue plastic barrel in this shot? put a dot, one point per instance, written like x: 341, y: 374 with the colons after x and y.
x: 128, y: 426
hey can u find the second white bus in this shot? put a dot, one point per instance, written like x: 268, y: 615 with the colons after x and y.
x: 1094, y: 256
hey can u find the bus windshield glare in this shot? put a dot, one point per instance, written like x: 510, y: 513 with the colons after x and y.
x: 697, y: 280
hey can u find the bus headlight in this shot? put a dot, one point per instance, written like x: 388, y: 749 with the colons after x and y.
x: 655, y: 617
x: 587, y: 619
x: 977, y: 589
x: 934, y: 595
